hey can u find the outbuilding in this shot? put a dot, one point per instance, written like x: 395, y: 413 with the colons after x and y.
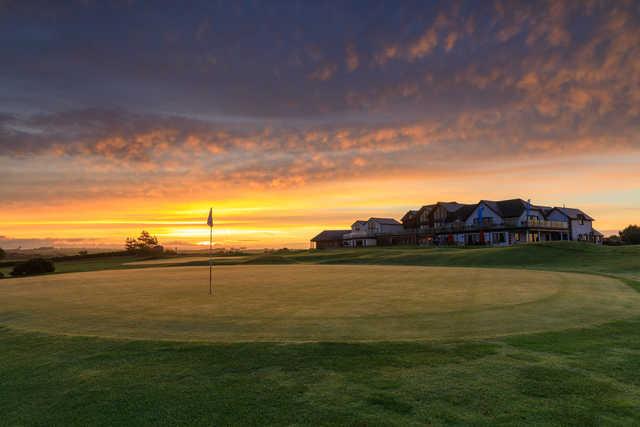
x: 329, y: 239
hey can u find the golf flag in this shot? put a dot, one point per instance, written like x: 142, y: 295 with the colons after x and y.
x: 210, y: 224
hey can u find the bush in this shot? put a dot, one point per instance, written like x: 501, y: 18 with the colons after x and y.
x: 3, y: 254
x: 631, y: 235
x: 32, y: 267
x: 612, y: 240
x: 1, y: 274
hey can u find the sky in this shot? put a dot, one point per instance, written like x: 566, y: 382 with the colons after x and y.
x: 290, y: 117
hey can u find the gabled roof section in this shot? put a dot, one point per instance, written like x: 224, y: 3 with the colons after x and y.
x: 409, y: 215
x: 546, y: 210
x: 385, y: 221
x: 451, y: 206
x: 512, y: 208
x: 493, y: 205
x: 328, y: 235
x: 461, y: 214
x: 424, y: 208
x: 573, y: 213
x: 360, y: 221
x: 431, y: 206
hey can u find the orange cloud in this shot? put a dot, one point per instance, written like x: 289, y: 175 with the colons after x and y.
x: 352, y: 60
x: 423, y: 45
x: 324, y: 73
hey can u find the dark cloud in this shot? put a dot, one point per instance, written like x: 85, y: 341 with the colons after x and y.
x: 278, y: 60
x: 286, y: 93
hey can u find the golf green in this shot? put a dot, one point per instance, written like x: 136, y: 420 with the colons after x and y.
x: 312, y: 303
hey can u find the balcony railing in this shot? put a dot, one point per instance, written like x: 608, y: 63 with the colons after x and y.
x: 545, y: 224
x: 488, y: 226
x: 358, y: 235
x: 462, y: 227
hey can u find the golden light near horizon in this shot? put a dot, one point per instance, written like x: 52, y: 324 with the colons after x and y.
x: 289, y: 219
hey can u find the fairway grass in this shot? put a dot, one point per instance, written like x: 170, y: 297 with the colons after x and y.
x: 313, y: 303
x: 168, y: 261
x: 185, y: 260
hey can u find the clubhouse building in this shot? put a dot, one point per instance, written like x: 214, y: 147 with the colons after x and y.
x: 488, y: 222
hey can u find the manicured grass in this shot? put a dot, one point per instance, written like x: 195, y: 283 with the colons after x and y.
x: 581, y: 377
x: 313, y: 303
x: 623, y: 261
x: 566, y: 256
x: 168, y: 261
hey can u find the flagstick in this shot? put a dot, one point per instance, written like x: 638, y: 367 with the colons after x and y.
x: 210, y: 260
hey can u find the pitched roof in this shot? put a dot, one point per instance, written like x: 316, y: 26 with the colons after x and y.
x: 451, y: 206
x: 327, y: 235
x: 424, y: 208
x: 572, y: 213
x: 512, y: 207
x: 410, y: 214
x: 461, y: 214
x: 432, y: 205
x: 545, y: 210
x: 359, y: 221
x: 385, y: 221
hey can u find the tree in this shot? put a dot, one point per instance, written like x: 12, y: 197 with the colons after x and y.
x: 3, y: 254
x: 144, y: 243
x: 147, y: 241
x: 631, y: 235
x: 131, y: 245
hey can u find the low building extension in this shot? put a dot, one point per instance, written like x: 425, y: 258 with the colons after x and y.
x: 488, y: 222
x: 329, y: 239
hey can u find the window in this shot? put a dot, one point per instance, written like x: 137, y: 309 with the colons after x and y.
x: 533, y: 218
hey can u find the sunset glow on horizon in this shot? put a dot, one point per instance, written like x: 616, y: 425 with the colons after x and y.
x: 119, y: 116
